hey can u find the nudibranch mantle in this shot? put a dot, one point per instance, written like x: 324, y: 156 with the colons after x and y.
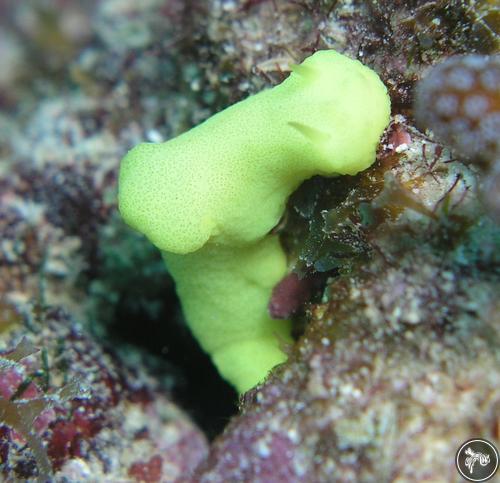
x: 209, y: 198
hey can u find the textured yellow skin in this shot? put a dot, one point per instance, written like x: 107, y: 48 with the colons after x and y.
x: 208, y: 199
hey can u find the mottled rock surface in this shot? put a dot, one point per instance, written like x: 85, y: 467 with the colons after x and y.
x: 115, y: 426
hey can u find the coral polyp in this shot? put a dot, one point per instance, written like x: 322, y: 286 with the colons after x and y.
x: 460, y: 101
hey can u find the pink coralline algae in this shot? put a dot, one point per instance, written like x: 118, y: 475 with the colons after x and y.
x: 106, y: 422
x: 384, y: 385
x: 25, y: 409
x: 289, y: 295
x: 147, y: 472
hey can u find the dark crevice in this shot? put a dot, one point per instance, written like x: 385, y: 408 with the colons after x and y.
x: 197, y: 386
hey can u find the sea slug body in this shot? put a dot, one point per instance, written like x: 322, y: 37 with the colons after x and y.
x: 209, y: 198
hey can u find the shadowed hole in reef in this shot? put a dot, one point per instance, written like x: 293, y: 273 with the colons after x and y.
x: 198, y: 389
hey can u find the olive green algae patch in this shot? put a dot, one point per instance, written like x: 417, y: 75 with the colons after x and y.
x: 209, y: 198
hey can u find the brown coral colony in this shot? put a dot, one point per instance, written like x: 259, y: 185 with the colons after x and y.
x: 460, y: 101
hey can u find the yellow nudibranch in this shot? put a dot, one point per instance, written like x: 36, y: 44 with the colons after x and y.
x: 209, y: 198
